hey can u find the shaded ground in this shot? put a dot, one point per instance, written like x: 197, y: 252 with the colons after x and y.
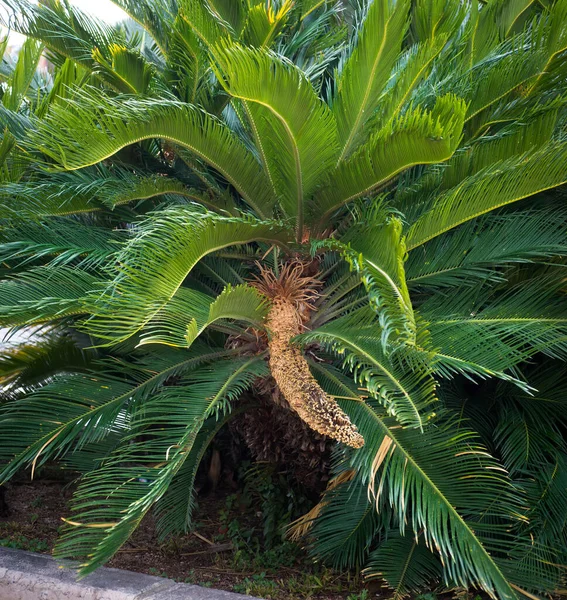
x: 223, y: 552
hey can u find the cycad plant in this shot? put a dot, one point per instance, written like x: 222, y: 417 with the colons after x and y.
x: 353, y: 210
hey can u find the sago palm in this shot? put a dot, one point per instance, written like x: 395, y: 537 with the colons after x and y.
x: 348, y: 209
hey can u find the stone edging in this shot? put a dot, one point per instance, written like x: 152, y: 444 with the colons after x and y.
x: 28, y: 576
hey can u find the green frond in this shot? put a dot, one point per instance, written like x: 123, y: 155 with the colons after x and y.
x: 92, y: 128
x: 209, y: 27
x: 187, y: 63
x: 496, y: 77
x: 174, y: 510
x: 189, y: 313
x: 376, y: 250
x: 346, y: 527
x: 546, y: 488
x: 166, y: 247
x: 63, y: 29
x: 355, y: 337
x: 16, y: 124
x: 523, y: 128
x: 496, y: 186
x: 68, y: 77
x: 413, y: 67
x: 93, y: 189
x: 293, y: 128
x: 417, y: 137
x: 494, y: 332
x: 526, y: 444
x: 125, y: 69
x: 88, y: 457
x: 154, y: 16
x: 58, y: 241
x: 477, y: 250
x: 367, y: 70
x: 442, y: 483
x: 227, y: 268
x: 111, y: 501
x: 405, y: 564
x: 44, y: 294
x: 264, y: 23
x: 26, y: 365
x: 89, y: 407
x: 233, y: 12
x: 434, y: 19
x: 21, y: 78
x: 343, y: 292
x: 494, y: 24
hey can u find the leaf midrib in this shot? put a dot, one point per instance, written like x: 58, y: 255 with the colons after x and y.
x: 444, y: 500
x: 356, y: 124
x: 390, y: 376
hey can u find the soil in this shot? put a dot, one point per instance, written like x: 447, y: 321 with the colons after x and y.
x: 207, y: 556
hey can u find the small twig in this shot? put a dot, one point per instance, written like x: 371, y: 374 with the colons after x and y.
x: 202, y: 537
x: 211, y: 550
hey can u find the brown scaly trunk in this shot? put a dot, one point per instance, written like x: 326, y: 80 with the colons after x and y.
x: 291, y: 294
x: 275, y: 434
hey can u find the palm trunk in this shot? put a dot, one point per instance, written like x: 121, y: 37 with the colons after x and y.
x: 291, y: 372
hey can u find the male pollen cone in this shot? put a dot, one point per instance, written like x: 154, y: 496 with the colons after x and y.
x: 289, y: 366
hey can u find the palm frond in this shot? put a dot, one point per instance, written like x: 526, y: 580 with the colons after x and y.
x: 413, y: 66
x: 154, y: 264
x: 264, y: 23
x: 65, y: 30
x: 124, y: 69
x: 89, y: 407
x: 209, y: 27
x: 495, y: 332
x: 111, y: 501
x: 44, y: 294
x: 431, y: 19
x: 444, y: 485
x: 187, y: 63
x: 59, y: 242
x: 356, y: 337
x: 293, y: 128
x: 367, y: 70
x: 24, y: 366
x: 405, y: 564
x: 22, y: 75
x: 417, y: 137
x: 189, y: 313
x: 91, y: 128
x: 478, y: 249
x: 346, y: 525
x: 155, y: 17
x: 500, y: 184
x: 377, y: 252
x: 174, y: 510
x: 93, y: 189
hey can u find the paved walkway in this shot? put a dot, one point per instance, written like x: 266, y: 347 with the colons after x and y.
x: 27, y: 576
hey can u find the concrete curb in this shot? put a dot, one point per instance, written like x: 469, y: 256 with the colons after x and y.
x: 28, y: 576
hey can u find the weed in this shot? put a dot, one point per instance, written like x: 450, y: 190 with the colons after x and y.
x: 428, y: 596
x: 22, y: 542
x: 257, y: 585
x: 157, y: 572
x: 37, y: 502
x: 363, y: 595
